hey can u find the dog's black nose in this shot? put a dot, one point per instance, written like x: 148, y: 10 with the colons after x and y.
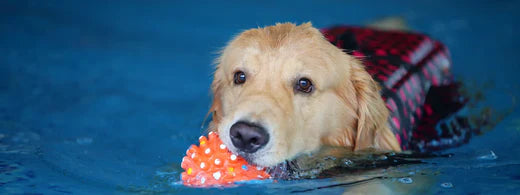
x: 248, y: 137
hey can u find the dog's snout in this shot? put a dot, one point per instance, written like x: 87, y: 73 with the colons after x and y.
x: 248, y: 137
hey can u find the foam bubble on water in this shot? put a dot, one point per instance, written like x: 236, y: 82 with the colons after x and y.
x: 348, y: 163
x: 447, y: 185
x: 405, y: 180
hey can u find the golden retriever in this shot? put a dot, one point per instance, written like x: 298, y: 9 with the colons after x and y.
x: 284, y: 90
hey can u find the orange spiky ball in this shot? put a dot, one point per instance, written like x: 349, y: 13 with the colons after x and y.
x: 211, y: 164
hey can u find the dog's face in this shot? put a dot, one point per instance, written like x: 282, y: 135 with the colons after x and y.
x: 284, y: 90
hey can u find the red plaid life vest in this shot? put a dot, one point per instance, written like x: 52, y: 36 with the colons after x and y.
x: 417, y: 85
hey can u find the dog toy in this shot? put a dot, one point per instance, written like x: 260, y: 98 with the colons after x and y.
x: 212, y: 164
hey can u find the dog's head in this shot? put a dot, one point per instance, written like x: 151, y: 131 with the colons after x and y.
x: 284, y: 90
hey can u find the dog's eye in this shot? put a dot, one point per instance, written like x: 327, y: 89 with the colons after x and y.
x: 304, y: 85
x: 239, y: 77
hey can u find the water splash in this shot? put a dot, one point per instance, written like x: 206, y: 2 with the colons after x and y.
x: 490, y: 156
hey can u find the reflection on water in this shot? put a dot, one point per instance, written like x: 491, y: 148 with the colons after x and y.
x: 321, y: 173
x: 365, y: 172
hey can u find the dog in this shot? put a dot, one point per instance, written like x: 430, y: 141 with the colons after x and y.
x: 285, y: 90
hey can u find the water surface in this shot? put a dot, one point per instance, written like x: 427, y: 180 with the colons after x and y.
x: 105, y: 96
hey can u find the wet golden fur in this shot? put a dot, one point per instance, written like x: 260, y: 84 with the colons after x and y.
x: 345, y: 108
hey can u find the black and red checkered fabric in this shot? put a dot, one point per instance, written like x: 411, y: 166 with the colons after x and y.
x: 417, y: 85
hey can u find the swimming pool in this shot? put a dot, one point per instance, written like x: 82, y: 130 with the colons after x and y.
x: 105, y: 97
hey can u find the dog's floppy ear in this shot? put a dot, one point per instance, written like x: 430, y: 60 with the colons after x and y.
x: 372, y: 130
x: 216, y: 106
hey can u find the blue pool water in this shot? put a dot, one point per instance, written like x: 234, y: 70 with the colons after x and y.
x: 105, y: 96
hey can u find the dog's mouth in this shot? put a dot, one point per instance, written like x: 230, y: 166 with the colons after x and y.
x: 285, y: 170
x: 253, y: 141
x: 249, y: 157
x: 310, y: 167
